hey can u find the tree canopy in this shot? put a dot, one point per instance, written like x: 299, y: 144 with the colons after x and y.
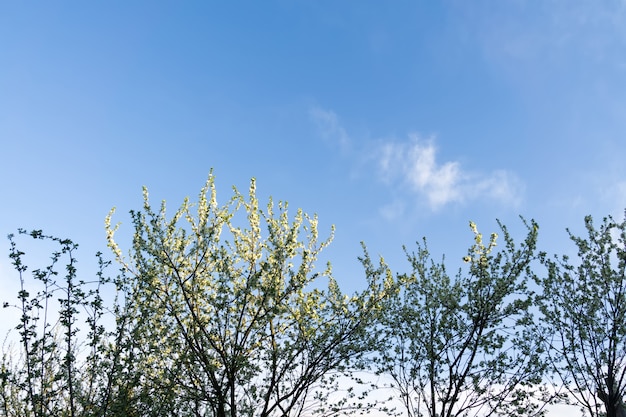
x: 458, y: 346
x: 584, y: 315
x: 231, y: 310
x: 222, y: 310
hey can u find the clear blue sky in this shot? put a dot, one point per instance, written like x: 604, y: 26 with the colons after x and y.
x: 391, y: 120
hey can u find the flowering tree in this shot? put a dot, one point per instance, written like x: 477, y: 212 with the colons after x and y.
x: 230, y: 316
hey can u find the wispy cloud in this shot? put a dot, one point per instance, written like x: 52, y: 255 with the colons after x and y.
x: 412, y: 164
x: 547, y: 36
x: 613, y: 193
x: 411, y: 169
x: 331, y: 130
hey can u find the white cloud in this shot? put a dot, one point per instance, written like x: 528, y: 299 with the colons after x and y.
x: 413, y: 165
x: 328, y: 124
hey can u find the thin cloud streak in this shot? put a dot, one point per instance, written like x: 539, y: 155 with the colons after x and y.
x: 330, y: 129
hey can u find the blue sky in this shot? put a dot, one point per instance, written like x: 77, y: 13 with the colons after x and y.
x: 391, y: 120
